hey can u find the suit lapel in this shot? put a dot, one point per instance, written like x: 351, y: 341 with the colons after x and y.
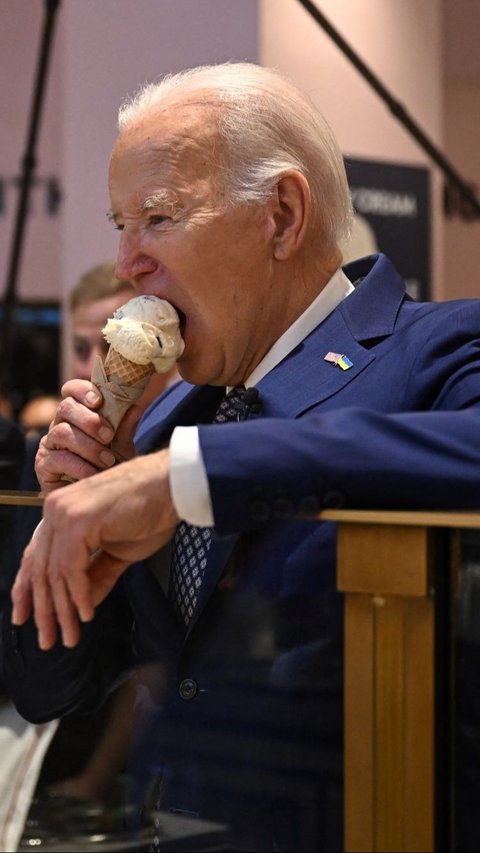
x: 182, y: 405
x: 304, y: 379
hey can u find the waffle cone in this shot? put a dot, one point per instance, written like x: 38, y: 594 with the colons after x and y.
x: 120, y: 383
x: 120, y: 369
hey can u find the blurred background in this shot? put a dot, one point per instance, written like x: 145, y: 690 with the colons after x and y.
x: 424, y: 51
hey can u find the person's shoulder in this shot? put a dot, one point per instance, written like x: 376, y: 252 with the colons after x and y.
x: 461, y: 311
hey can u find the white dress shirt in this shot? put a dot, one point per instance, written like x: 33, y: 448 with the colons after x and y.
x: 188, y: 478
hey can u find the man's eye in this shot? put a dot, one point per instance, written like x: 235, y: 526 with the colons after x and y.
x: 155, y: 221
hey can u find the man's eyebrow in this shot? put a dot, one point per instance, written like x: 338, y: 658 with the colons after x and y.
x: 161, y: 198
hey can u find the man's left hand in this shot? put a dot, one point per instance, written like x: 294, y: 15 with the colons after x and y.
x: 91, y: 532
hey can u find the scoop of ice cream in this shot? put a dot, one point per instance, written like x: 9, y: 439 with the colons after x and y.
x: 146, y: 330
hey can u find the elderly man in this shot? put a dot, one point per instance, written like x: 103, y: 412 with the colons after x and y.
x: 230, y: 196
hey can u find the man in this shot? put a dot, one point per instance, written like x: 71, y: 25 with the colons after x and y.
x: 230, y: 196
x: 95, y: 297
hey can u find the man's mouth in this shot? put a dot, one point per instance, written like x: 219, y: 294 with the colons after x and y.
x: 182, y: 318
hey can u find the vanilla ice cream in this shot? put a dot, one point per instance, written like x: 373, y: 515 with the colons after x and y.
x: 146, y: 331
x: 144, y: 337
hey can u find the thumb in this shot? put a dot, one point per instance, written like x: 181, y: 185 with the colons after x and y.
x: 122, y: 444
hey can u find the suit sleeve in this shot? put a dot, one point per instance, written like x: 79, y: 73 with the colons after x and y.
x: 425, y: 455
x: 352, y: 458
x: 46, y: 685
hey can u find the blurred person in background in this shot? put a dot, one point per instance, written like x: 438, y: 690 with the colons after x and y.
x: 96, y: 296
x: 37, y: 414
x: 88, y: 752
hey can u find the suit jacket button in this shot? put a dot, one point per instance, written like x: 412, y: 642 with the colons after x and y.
x: 309, y: 505
x: 334, y: 500
x: 188, y: 689
x: 283, y: 508
x: 259, y: 511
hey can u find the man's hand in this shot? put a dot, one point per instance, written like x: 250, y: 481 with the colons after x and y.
x: 91, y: 532
x: 79, y: 441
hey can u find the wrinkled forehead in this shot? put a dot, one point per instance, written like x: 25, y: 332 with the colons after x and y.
x: 181, y: 139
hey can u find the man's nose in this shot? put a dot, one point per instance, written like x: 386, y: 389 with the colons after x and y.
x: 131, y: 261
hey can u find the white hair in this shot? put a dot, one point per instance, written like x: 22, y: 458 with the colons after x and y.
x: 267, y: 127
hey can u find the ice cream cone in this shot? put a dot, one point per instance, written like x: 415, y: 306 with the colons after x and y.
x: 121, y: 386
x: 146, y: 329
x: 124, y: 371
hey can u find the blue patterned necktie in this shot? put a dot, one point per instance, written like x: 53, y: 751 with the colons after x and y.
x: 191, y: 544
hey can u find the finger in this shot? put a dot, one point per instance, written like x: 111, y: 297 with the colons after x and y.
x: 69, y: 562
x: 87, y: 449
x: 84, y: 391
x: 104, y: 572
x: 32, y: 576
x: 92, y: 423
x: 65, y: 612
x: 62, y: 464
x: 22, y: 599
x: 122, y: 444
x: 44, y: 613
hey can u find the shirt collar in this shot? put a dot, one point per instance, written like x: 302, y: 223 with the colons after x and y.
x: 336, y: 289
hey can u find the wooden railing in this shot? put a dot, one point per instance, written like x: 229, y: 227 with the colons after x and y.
x: 396, y: 570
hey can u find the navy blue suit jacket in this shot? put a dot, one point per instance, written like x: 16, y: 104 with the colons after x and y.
x: 243, y: 715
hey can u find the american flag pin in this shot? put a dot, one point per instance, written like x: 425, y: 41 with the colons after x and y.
x: 339, y: 359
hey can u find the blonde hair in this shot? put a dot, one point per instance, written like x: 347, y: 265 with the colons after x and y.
x: 97, y: 283
x: 267, y: 127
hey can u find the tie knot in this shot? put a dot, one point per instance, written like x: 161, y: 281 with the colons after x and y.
x: 231, y: 406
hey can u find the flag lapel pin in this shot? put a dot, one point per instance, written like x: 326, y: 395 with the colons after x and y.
x: 339, y: 360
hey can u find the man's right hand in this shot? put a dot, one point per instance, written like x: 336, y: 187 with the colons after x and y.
x: 77, y: 444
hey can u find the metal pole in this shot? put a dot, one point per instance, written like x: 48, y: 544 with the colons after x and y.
x: 26, y: 182
x: 394, y: 106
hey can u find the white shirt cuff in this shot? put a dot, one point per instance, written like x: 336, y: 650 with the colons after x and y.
x: 188, y: 478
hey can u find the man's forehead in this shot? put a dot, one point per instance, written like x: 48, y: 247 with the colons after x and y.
x: 163, y: 160
x: 172, y: 130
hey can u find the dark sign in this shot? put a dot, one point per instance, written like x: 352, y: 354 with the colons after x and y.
x: 392, y: 216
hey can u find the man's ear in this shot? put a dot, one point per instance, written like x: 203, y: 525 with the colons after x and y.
x: 292, y: 213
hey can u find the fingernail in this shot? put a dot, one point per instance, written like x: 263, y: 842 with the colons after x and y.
x: 105, y: 433
x: 91, y: 397
x: 107, y: 458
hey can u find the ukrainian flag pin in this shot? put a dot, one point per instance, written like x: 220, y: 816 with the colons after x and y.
x: 339, y: 360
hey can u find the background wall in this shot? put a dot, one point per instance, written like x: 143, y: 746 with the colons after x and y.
x: 423, y: 50
x: 109, y: 48
x: 21, y: 23
x: 103, y: 50
x: 401, y: 42
x: 461, y: 248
